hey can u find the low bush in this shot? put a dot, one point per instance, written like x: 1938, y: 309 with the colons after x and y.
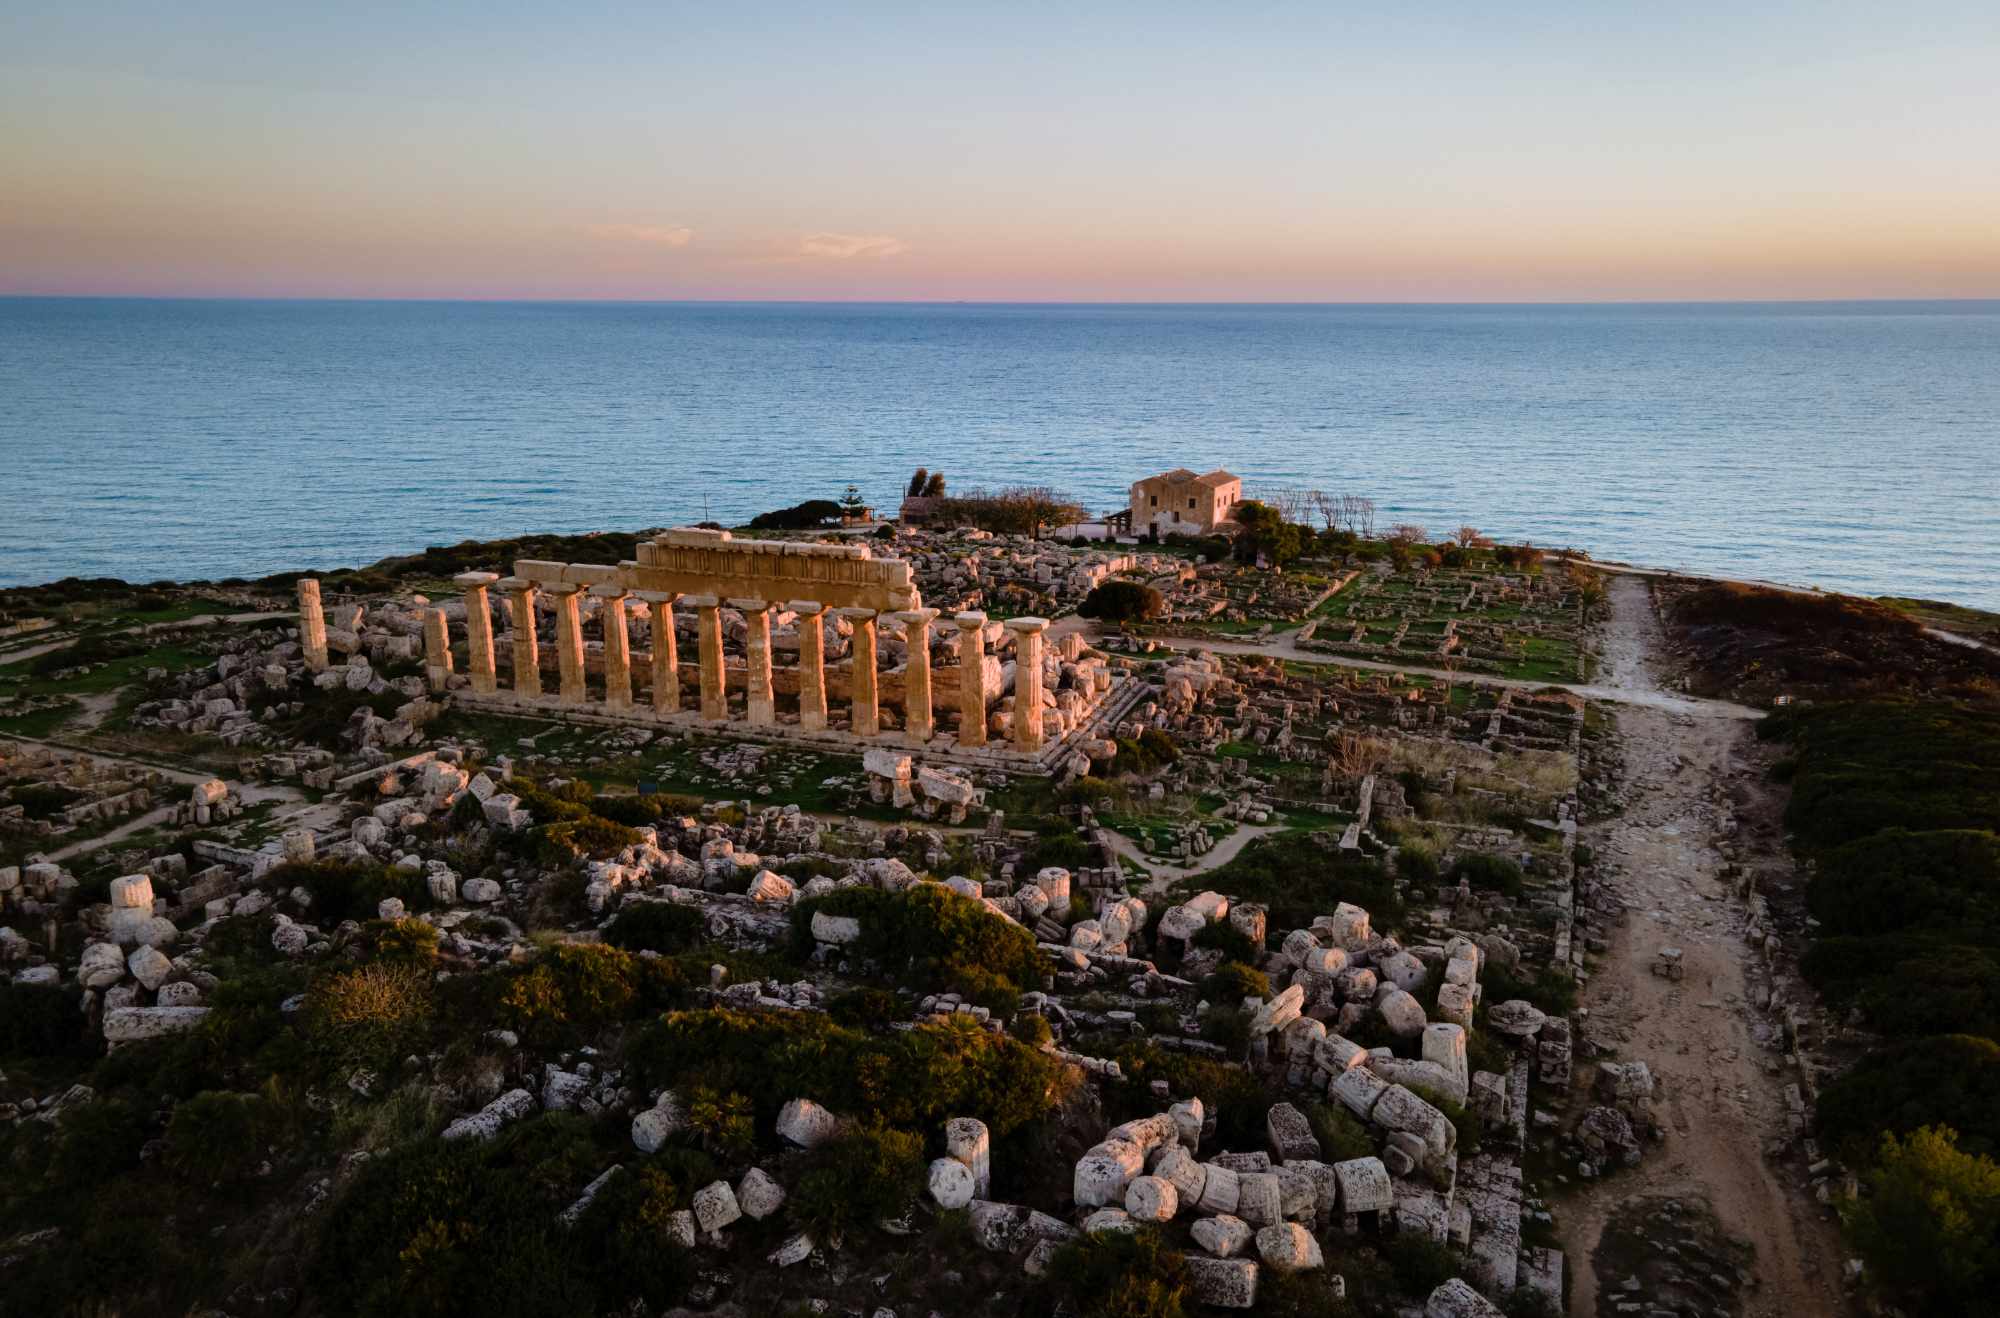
x: 1297, y: 876
x: 909, y: 1078
x: 1233, y: 981
x: 1340, y: 1133
x: 869, y: 1173
x: 221, y: 1136
x: 350, y: 890
x: 928, y: 936
x: 1950, y: 1080
x: 1929, y: 1224
x: 1420, y: 1264
x: 578, y: 839
x: 655, y: 927
x: 1123, y: 601
x: 1121, y: 1274
x: 371, y: 1015
x: 578, y: 986
x: 1488, y: 872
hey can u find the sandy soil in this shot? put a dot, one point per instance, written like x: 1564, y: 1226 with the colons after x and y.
x: 1712, y: 1054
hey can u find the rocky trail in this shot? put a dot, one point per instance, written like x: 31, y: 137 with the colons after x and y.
x: 1693, y: 786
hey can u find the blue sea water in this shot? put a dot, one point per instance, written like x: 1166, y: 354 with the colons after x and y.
x: 1847, y: 445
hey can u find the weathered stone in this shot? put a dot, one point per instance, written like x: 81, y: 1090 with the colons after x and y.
x: 1151, y: 1199
x: 1457, y: 1299
x: 1289, y: 1247
x: 1103, y: 1173
x: 1403, y: 1014
x: 1259, y: 1200
x: 1188, y: 1177
x: 1225, y: 1283
x: 102, y: 966
x: 758, y: 1195
x: 652, y: 1128
x: 1222, y: 1235
x: 950, y: 1183
x: 1221, y: 1189
x: 487, y: 1122
x: 1364, y: 1186
x: 135, y: 1024
x: 806, y: 1124
x: 715, y: 1206
x: 1289, y: 1134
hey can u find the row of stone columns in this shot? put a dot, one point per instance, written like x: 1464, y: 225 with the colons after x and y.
x: 865, y: 720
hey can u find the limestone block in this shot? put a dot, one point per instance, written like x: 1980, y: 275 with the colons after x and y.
x: 759, y: 1195
x: 180, y: 994
x: 1403, y: 970
x: 480, y: 892
x: 134, y: 892
x: 715, y: 1206
x: 135, y: 1024
x: 1178, y: 1167
x: 1109, y: 1219
x: 770, y: 889
x: 1151, y: 1199
x: 1222, y: 1235
x: 1289, y: 1134
x: 1358, y: 1090
x: 1297, y: 1195
x: 1221, y: 1189
x: 1103, y: 1173
x: 1149, y: 1133
x: 1403, y: 1014
x: 652, y: 1128
x: 1457, y: 1299
x: 1259, y: 1200
x: 102, y: 966
x: 1400, y: 1109
x: 1336, y: 1053
x: 806, y: 1124
x: 488, y: 1121
x: 1350, y: 926
x: 1188, y: 1117
x: 836, y: 929
x: 1516, y: 1018
x: 1289, y: 1247
x: 1455, y: 1004
x: 149, y: 966
x: 950, y: 1183
x: 1224, y: 1283
x: 1364, y: 1185
x: 966, y: 1141
x: 1279, y: 1012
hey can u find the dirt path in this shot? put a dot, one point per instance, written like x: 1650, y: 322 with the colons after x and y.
x: 1221, y: 854
x: 1646, y: 695
x: 1722, y: 1089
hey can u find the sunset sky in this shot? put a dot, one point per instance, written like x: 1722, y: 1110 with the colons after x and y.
x: 1076, y: 151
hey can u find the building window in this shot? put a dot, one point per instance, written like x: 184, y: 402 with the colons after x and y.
x: 1190, y: 505
x: 1153, y: 501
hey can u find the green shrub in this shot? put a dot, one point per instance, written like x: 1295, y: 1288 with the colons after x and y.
x: 1950, y: 1080
x: 350, y: 890
x: 1235, y: 1096
x: 407, y: 939
x: 1910, y: 984
x: 1298, y: 876
x: 221, y: 1136
x: 869, y: 1173
x: 1417, y: 862
x: 1123, y: 601
x: 1031, y: 1028
x: 1234, y: 944
x: 100, y: 1139
x: 576, y: 839
x: 1233, y: 981
x: 41, y: 1020
x: 908, y: 1078
x: 1944, y: 879
x: 1488, y: 872
x: 1341, y: 1135
x: 1929, y: 1223
x: 929, y: 936
x: 655, y: 927
x: 1420, y: 1264
x: 371, y: 1015
x: 578, y: 986
x: 1118, y: 1274
x: 866, y: 1008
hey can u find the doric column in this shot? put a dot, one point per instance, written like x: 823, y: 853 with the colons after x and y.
x: 971, y: 678
x: 918, y: 724
x: 761, y: 705
x: 708, y: 632
x: 479, y: 629
x: 1027, y: 682
x: 812, y: 665
x: 569, y: 642
x: 312, y: 625
x: 866, y: 720
x: 617, y: 646
x: 437, y: 649
x: 527, y: 650
x: 666, y: 651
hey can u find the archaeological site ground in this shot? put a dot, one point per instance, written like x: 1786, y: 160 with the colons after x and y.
x: 906, y: 919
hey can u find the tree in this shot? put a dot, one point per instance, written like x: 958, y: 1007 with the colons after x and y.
x: 1264, y: 530
x: 934, y: 487
x: 1929, y: 1227
x: 1038, y: 506
x: 1467, y: 536
x: 1588, y: 583
x: 851, y: 503
x: 1123, y: 601
x: 917, y: 483
x: 1408, y: 534
x: 1292, y: 504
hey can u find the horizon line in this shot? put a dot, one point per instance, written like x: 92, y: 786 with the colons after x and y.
x: 984, y: 302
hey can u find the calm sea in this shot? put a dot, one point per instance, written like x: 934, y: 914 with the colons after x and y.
x: 1851, y: 446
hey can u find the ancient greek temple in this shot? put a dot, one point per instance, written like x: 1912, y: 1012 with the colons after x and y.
x: 1029, y: 713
